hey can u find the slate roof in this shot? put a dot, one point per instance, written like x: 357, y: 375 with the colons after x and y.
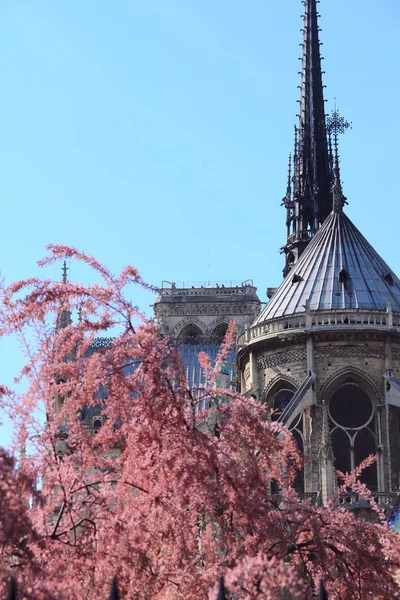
x: 339, y: 269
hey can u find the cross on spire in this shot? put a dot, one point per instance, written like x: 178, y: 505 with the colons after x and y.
x: 336, y: 125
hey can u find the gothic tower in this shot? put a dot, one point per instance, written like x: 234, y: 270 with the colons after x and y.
x: 324, y: 353
x: 196, y: 318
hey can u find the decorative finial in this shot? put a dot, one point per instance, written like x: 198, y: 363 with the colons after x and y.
x: 289, y: 182
x: 336, y: 125
x: 64, y: 316
x: 64, y: 272
x: 288, y: 197
x: 80, y: 314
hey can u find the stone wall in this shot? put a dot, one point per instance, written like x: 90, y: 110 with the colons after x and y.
x: 332, y: 356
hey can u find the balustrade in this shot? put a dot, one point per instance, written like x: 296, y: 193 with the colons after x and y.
x: 317, y: 320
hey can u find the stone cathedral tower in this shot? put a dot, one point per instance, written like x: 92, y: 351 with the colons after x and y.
x: 325, y: 351
x: 196, y: 318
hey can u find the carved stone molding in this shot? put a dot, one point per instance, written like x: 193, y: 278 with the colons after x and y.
x: 373, y: 382
x: 349, y: 351
x: 281, y: 343
x: 218, y: 321
x: 203, y: 309
x: 280, y: 378
x: 182, y: 324
x: 350, y: 336
x: 280, y: 358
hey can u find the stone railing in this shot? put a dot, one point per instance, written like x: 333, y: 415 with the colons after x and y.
x: 300, y: 236
x: 385, y: 500
x: 313, y: 498
x: 209, y: 291
x: 320, y: 320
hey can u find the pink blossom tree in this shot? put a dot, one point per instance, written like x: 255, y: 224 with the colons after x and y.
x: 159, y: 496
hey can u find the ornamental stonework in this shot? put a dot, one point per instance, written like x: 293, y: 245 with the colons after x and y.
x: 202, y: 309
x: 289, y: 356
x: 350, y: 336
x: 348, y: 351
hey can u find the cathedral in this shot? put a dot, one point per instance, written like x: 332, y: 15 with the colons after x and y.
x: 324, y: 352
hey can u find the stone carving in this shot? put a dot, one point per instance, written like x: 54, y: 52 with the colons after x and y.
x: 349, y: 351
x: 280, y: 358
x: 184, y: 323
x: 209, y: 291
x: 349, y: 336
x: 375, y: 383
x: 212, y: 309
x: 277, y: 381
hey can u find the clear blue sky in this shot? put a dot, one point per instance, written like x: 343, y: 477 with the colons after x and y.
x: 156, y: 132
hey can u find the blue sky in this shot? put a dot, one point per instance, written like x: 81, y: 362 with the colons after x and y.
x: 156, y: 132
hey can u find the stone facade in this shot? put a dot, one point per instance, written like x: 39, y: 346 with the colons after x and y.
x: 196, y: 319
x: 206, y: 308
x: 313, y: 356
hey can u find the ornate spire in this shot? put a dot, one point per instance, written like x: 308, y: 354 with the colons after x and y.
x: 64, y: 272
x: 64, y: 316
x: 312, y: 195
x: 336, y: 125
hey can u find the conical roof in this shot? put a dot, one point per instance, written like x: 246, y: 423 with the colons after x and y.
x: 338, y: 270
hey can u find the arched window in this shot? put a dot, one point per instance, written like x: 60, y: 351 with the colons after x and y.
x: 352, y: 421
x: 191, y: 335
x: 280, y: 399
x: 218, y: 333
x: 298, y: 483
x: 341, y: 450
x: 350, y: 406
x: 364, y: 446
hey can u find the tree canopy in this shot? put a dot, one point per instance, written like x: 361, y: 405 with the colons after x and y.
x: 163, y: 497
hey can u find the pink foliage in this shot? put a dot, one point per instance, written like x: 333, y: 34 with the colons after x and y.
x: 154, y: 497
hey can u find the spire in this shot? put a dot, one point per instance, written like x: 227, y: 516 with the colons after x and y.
x: 312, y: 195
x: 289, y: 182
x: 336, y: 125
x: 64, y: 316
x: 337, y: 192
x: 64, y: 272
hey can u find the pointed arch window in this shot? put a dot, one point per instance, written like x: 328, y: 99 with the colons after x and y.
x: 296, y: 430
x: 341, y: 447
x: 352, y: 419
x: 278, y: 400
x: 364, y: 446
x: 191, y: 335
x: 218, y: 333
